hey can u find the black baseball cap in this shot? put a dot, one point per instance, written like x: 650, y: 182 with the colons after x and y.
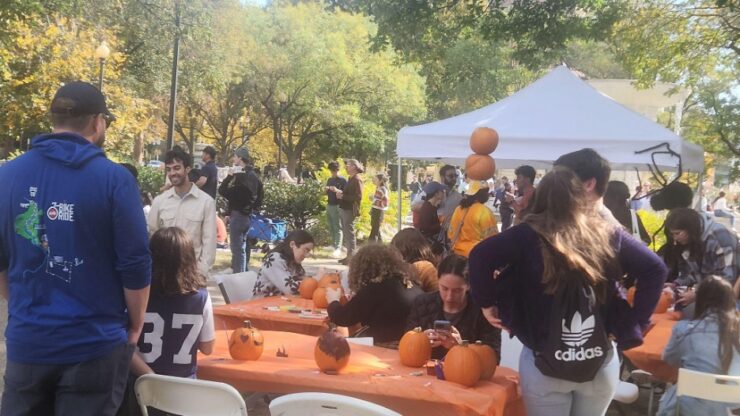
x: 78, y: 99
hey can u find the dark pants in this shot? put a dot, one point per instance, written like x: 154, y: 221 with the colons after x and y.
x: 238, y: 227
x: 376, y: 218
x: 93, y: 387
x: 349, y: 222
x: 506, y: 216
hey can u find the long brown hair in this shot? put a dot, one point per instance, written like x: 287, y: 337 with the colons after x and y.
x: 375, y: 263
x: 715, y: 296
x: 685, y: 219
x: 413, y: 246
x: 574, y: 235
x: 174, y: 267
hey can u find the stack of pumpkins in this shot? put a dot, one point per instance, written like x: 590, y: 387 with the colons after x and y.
x: 464, y: 364
x: 311, y: 288
x: 480, y: 166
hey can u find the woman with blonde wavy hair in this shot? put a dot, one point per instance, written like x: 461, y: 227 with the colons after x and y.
x: 562, y: 250
x: 382, y: 294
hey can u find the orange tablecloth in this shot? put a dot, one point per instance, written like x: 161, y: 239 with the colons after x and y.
x: 649, y: 355
x: 373, y: 374
x: 231, y: 316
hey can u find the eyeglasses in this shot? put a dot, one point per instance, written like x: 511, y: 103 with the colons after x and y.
x: 109, y: 119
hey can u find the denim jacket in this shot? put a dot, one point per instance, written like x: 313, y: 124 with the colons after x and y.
x: 693, y: 345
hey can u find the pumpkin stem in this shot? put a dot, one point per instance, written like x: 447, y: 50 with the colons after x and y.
x: 479, y: 342
x: 247, y: 324
x: 465, y: 343
x: 417, y: 329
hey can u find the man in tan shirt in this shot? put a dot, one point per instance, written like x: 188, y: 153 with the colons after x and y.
x: 185, y: 206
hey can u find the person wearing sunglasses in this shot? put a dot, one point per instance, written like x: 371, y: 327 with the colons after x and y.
x: 74, y: 265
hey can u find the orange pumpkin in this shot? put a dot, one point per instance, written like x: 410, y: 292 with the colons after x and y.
x: 631, y: 295
x: 462, y: 365
x: 332, y: 280
x: 488, y: 359
x: 246, y: 343
x: 484, y: 140
x: 414, y: 348
x: 307, y: 287
x: 331, y: 351
x: 319, y: 298
x: 664, y: 302
x: 480, y: 167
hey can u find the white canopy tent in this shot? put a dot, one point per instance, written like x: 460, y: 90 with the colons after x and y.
x: 557, y: 114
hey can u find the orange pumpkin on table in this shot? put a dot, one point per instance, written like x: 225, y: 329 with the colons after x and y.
x: 488, y: 359
x: 664, y: 302
x: 414, y: 348
x: 332, y: 280
x: 246, y: 343
x: 307, y: 287
x: 484, y: 140
x: 480, y: 167
x: 331, y: 351
x: 462, y: 365
x: 319, y: 297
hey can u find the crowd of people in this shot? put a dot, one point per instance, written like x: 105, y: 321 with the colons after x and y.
x: 98, y: 295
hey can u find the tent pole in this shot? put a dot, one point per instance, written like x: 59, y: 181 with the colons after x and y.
x: 400, y: 195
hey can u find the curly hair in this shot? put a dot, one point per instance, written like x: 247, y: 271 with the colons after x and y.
x: 375, y: 263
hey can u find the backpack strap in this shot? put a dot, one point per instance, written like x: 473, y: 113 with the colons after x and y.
x: 459, y: 228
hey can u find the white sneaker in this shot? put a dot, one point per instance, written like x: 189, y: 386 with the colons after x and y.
x: 337, y: 253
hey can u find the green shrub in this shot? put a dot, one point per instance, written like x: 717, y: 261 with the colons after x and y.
x: 151, y: 179
x: 298, y: 205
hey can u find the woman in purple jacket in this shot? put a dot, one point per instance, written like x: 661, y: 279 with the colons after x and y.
x: 514, y: 275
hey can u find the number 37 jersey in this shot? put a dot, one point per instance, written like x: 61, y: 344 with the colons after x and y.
x: 173, y: 327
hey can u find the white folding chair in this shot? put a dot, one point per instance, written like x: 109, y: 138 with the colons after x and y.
x: 188, y: 397
x: 626, y: 393
x: 236, y: 287
x: 707, y: 386
x: 511, y: 349
x: 325, y: 404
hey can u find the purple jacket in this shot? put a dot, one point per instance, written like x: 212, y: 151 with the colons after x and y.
x: 519, y: 294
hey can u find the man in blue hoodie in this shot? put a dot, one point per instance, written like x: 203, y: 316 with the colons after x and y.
x: 74, y: 265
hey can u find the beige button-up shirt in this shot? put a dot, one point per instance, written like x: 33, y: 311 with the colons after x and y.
x: 195, y: 213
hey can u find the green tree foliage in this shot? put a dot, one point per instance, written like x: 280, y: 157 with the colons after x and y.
x: 298, y: 205
x: 320, y: 85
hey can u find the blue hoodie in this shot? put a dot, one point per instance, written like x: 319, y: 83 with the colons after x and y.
x: 72, y: 237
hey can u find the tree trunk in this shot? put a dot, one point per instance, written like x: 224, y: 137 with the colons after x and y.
x: 292, y: 162
x: 138, y: 148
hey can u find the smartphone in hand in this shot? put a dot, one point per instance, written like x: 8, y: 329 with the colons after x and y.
x: 444, y: 327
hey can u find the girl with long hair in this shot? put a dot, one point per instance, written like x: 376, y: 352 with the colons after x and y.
x: 417, y: 252
x: 697, y: 247
x: 382, y: 294
x: 616, y: 198
x: 281, y: 271
x: 564, y: 249
x: 709, y: 343
x: 179, y: 315
x: 472, y: 221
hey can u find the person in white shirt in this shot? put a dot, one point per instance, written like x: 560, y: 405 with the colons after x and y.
x: 721, y: 209
x: 187, y: 207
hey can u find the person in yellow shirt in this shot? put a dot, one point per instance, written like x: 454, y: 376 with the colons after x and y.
x: 472, y: 221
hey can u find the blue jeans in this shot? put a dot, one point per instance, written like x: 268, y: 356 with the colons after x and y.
x: 93, y: 387
x: 725, y: 214
x: 548, y: 396
x: 238, y: 228
x: 334, y: 221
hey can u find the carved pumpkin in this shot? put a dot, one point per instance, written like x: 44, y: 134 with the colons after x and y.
x: 484, y: 140
x: 664, y: 302
x: 332, y: 351
x: 414, y: 348
x: 332, y: 280
x: 319, y: 298
x: 480, y: 167
x: 462, y: 365
x: 307, y: 287
x: 246, y: 343
x: 488, y: 359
